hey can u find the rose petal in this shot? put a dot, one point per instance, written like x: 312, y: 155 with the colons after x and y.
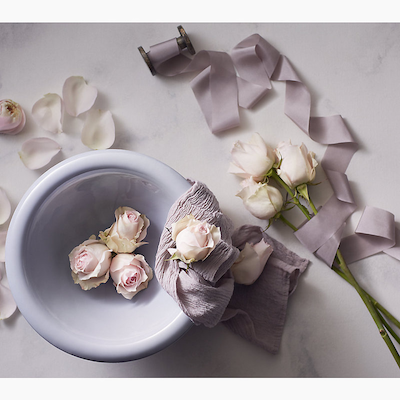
x: 78, y: 95
x: 90, y: 283
x: 98, y: 130
x: 7, y: 302
x: 5, y: 207
x: 3, y: 236
x: 48, y: 112
x: 251, y: 262
x: 38, y: 152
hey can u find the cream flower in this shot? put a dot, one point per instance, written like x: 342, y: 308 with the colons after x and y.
x: 253, y: 159
x: 127, y: 232
x: 194, y: 239
x: 130, y: 273
x: 262, y: 200
x: 12, y: 117
x: 251, y: 262
x: 90, y: 263
x: 297, y: 164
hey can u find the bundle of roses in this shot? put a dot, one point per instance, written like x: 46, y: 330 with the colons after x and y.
x: 95, y: 260
x: 292, y: 168
x: 195, y: 240
x: 256, y: 162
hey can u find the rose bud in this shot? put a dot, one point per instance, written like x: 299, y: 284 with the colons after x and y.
x: 130, y: 273
x: 12, y: 117
x: 90, y: 263
x: 251, y: 262
x: 127, y: 232
x: 253, y: 159
x: 195, y: 240
x: 297, y: 164
x: 262, y: 200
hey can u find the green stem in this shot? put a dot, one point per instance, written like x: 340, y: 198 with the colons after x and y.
x: 288, y: 223
x: 377, y: 305
x: 389, y: 329
x: 372, y: 310
x: 295, y: 200
x: 346, y: 271
x: 313, y: 208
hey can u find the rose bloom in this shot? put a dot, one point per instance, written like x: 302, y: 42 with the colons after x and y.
x: 194, y: 239
x: 90, y: 263
x: 251, y: 262
x: 262, y: 200
x: 12, y: 117
x: 130, y: 273
x: 252, y: 159
x: 297, y: 164
x: 127, y: 232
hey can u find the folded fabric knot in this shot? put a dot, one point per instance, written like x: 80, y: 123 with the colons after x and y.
x: 206, y: 291
x: 202, y: 291
x: 258, y: 312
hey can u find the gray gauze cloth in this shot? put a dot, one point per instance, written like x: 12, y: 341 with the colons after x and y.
x: 257, y: 312
x: 206, y: 292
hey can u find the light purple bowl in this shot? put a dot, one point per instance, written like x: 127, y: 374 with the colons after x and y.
x: 71, y: 201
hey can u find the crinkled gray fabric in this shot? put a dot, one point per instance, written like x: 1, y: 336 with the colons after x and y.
x: 205, y: 289
x: 258, y: 312
x: 206, y: 292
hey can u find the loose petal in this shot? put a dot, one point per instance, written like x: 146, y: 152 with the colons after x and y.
x: 5, y: 207
x: 38, y: 152
x: 98, y: 130
x: 48, y: 112
x: 78, y: 95
x: 7, y: 302
x: 3, y: 235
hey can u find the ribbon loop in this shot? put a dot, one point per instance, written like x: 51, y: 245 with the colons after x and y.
x: 242, y: 78
x: 375, y: 232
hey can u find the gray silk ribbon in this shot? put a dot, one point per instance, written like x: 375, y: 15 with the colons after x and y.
x: 240, y: 79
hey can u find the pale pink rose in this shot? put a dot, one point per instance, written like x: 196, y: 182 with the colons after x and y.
x: 262, y: 200
x: 194, y: 239
x: 251, y: 262
x: 253, y: 159
x: 130, y: 273
x: 90, y: 263
x: 12, y: 117
x: 297, y: 164
x: 127, y: 232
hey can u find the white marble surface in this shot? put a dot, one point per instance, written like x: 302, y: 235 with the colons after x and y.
x: 350, y: 69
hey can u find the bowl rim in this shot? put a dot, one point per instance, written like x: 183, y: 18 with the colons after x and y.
x: 40, y: 189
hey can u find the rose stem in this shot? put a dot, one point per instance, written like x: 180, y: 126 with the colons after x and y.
x: 375, y: 303
x: 342, y: 275
x: 339, y: 272
x: 350, y: 278
x: 367, y: 300
x: 389, y: 328
x: 296, y: 201
x: 379, y: 306
x: 288, y: 223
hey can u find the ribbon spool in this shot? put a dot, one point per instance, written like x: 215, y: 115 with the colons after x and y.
x: 183, y: 42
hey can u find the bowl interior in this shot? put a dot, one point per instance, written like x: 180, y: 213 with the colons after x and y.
x: 99, y: 323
